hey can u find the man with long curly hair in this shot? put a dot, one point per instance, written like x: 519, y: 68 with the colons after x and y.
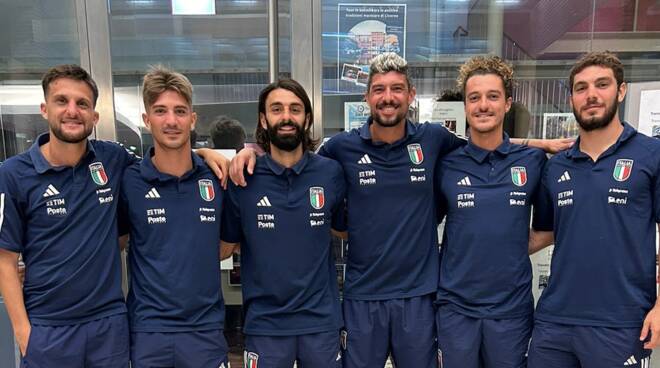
x: 282, y: 222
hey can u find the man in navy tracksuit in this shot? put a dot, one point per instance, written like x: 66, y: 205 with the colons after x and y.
x: 58, y: 204
x: 486, y: 190
x: 171, y: 205
x: 603, y: 196
x: 282, y: 223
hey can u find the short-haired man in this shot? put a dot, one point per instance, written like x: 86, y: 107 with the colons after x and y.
x: 227, y: 133
x: 486, y: 190
x: 171, y: 204
x: 282, y: 221
x: 58, y: 205
x: 604, y: 199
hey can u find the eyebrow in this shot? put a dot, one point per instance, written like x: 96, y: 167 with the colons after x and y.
x: 176, y: 106
x: 489, y: 91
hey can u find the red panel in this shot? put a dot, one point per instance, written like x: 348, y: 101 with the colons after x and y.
x: 648, y: 15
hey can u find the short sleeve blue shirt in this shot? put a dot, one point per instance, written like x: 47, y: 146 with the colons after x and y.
x: 487, y: 197
x: 393, y: 242
x: 174, y: 254
x: 63, y: 220
x: 603, y: 268
x: 282, y: 220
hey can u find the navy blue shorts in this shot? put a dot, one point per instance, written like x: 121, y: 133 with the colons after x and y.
x: 467, y: 342
x: 192, y: 349
x: 319, y: 350
x: 570, y: 346
x: 404, y: 328
x: 96, y: 344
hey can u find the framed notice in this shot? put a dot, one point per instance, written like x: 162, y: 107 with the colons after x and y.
x: 559, y: 125
x: 355, y: 114
x: 451, y: 114
x: 364, y: 31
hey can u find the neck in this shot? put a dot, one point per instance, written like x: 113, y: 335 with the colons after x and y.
x: 286, y: 158
x: 59, y: 153
x: 595, y: 142
x: 388, y: 135
x: 175, y: 162
x: 488, y: 141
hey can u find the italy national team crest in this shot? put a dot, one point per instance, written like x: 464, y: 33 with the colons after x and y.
x: 622, y: 169
x: 316, y: 197
x: 519, y: 175
x: 206, y: 189
x: 98, y: 174
x: 251, y: 360
x: 415, y: 153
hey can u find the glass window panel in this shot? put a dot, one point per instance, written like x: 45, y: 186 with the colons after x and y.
x: 224, y: 55
x: 541, y: 38
x: 36, y: 36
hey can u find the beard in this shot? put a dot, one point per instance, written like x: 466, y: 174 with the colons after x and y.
x: 391, y: 122
x: 593, y: 122
x: 71, y: 138
x: 285, y: 142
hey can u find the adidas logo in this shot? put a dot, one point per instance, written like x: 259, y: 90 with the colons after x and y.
x: 465, y: 182
x: 644, y: 363
x: 364, y: 160
x: 564, y: 177
x: 51, y: 191
x: 152, y: 194
x: 264, y: 202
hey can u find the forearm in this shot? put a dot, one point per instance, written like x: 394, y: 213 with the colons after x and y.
x: 539, y: 240
x: 10, y: 287
x: 340, y: 234
x: 228, y: 249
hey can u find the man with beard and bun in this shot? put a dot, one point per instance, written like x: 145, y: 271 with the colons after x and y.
x: 603, y: 196
x: 170, y: 204
x: 282, y: 222
x: 485, y: 304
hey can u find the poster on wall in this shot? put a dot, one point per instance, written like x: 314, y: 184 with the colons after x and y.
x: 451, y: 114
x: 364, y: 31
x: 559, y: 125
x: 649, y: 113
x: 355, y: 114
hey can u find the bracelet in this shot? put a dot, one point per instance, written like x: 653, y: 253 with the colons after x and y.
x: 525, y: 141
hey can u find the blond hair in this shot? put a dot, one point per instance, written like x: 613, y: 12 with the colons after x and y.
x: 388, y: 62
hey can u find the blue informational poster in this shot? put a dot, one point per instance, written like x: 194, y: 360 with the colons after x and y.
x: 364, y: 31
x: 355, y: 114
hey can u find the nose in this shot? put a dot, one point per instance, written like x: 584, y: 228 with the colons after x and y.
x: 387, y: 95
x: 72, y: 109
x: 170, y: 117
x: 483, y: 103
x: 591, y: 93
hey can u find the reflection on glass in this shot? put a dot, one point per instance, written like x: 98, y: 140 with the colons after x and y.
x: 540, y: 38
x: 224, y: 54
x: 36, y: 36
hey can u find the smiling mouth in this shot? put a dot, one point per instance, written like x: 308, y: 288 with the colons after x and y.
x: 591, y: 107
